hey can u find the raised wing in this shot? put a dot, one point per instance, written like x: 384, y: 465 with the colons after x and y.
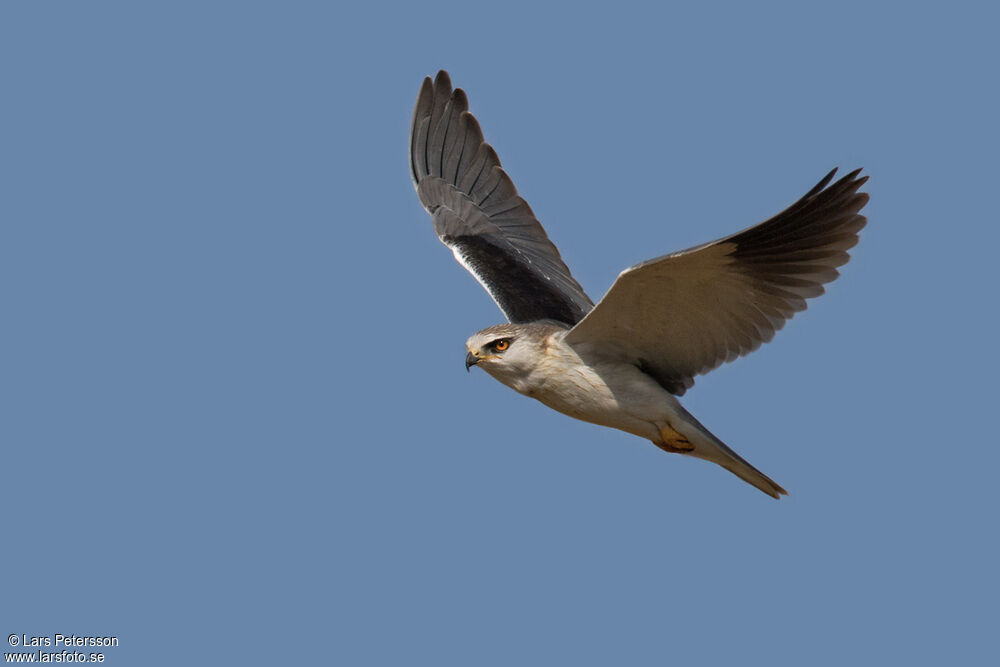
x: 477, y: 212
x: 684, y: 314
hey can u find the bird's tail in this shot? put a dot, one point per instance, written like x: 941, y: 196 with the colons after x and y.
x: 701, y: 443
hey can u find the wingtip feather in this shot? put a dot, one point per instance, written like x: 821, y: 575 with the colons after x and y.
x: 442, y: 81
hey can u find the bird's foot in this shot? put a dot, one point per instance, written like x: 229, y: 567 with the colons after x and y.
x: 674, y: 441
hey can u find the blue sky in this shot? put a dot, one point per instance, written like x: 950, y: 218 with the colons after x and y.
x: 237, y: 426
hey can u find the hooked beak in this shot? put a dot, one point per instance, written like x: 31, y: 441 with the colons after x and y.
x: 470, y: 361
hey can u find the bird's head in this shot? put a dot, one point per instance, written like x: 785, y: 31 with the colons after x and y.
x: 507, y: 351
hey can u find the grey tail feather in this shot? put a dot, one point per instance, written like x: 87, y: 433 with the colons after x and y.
x: 710, y: 448
x: 737, y: 465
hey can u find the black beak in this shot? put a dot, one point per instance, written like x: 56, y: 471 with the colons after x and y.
x: 470, y: 361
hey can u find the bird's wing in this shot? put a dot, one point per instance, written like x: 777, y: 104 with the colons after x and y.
x: 684, y: 314
x: 477, y: 212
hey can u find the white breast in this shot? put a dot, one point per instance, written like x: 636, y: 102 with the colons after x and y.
x: 597, y: 389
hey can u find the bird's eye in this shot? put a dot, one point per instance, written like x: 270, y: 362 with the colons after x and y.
x: 501, y: 345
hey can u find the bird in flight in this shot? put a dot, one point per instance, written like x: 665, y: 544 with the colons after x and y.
x: 623, y: 362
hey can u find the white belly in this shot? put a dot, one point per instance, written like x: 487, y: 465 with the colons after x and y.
x: 608, y: 393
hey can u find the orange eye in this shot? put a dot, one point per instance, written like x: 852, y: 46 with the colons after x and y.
x: 501, y: 345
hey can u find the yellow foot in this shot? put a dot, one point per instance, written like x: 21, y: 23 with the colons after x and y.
x: 674, y: 441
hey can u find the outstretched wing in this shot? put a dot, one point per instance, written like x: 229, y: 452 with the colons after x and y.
x: 684, y: 314
x: 477, y: 212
